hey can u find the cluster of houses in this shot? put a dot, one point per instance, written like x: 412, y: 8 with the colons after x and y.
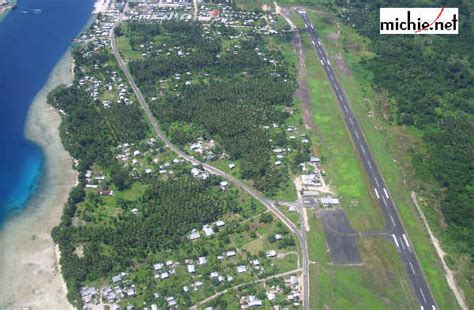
x: 122, y: 288
x: 250, y: 302
x: 312, y: 182
x: 295, y: 294
x: 164, y: 10
x: 203, y: 148
x: 95, y: 182
x: 281, y: 152
x: 100, y: 30
x: 143, y: 159
x: 199, y: 173
x: 221, y: 14
x: 142, y: 10
x: 272, y: 293
x: 164, y: 270
x: 89, y: 296
x: 207, y: 230
x: 200, y: 146
x: 231, y: 17
x: 151, y: 50
x: 112, y: 88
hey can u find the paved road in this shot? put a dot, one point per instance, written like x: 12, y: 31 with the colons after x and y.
x: 257, y: 195
x: 393, y: 223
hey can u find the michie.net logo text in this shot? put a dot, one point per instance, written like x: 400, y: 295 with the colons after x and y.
x: 419, y: 20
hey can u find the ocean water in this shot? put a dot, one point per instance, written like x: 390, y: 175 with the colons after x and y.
x: 33, y: 38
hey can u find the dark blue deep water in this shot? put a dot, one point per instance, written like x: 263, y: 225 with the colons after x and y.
x: 30, y: 46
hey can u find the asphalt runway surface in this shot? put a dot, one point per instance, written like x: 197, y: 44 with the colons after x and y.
x: 393, y: 224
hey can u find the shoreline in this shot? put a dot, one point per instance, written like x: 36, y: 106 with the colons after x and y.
x: 30, y: 274
x: 3, y: 14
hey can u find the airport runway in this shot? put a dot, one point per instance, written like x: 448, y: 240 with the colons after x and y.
x: 393, y: 225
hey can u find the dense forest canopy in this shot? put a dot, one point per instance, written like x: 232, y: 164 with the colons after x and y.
x: 234, y: 91
x: 89, y: 132
x: 431, y: 80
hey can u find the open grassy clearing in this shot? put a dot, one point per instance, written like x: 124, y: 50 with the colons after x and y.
x: 386, y: 142
x: 379, y: 283
x: 251, y: 5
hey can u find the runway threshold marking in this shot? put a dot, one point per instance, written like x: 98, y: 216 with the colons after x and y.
x: 396, y: 242
x: 406, y: 241
x: 376, y: 193
x: 385, y: 192
x: 402, y: 244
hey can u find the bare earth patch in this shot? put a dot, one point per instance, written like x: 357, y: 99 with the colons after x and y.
x: 303, y: 92
x: 341, y: 64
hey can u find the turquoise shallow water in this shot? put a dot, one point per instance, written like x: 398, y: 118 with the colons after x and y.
x: 33, y: 38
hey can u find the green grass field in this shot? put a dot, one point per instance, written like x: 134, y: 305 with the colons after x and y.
x: 381, y: 138
x: 126, y: 50
x: 252, y: 5
x: 379, y: 283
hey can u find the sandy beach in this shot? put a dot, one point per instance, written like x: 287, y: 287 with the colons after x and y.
x: 30, y: 274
